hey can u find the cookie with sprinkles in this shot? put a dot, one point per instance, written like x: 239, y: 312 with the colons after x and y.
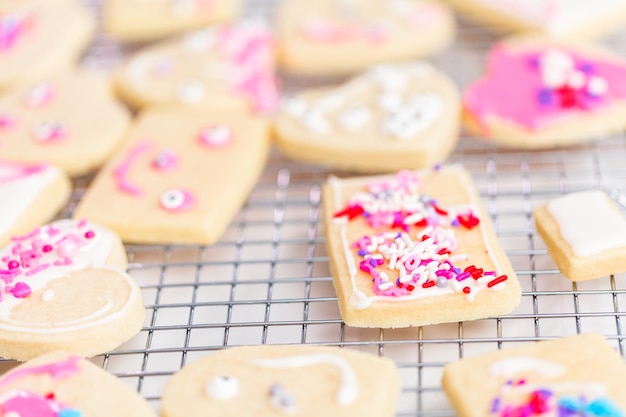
x: 63, y: 287
x: 391, y: 117
x: 585, y: 234
x: 326, y: 37
x: 284, y: 380
x: 62, y: 385
x: 53, y: 120
x: 413, y: 249
x: 228, y: 66
x: 579, y: 376
x: 540, y: 93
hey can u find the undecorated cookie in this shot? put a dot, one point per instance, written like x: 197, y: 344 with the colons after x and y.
x: 573, y: 19
x: 325, y: 37
x: 62, y: 385
x: 585, y: 234
x: 394, y: 116
x: 137, y: 20
x: 34, y: 193
x: 36, y: 42
x: 71, y: 121
x: 413, y: 249
x: 221, y: 67
x: 539, y: 93
x: 284, y: 380
x: 180, y: 178
x: 63, y: 286
x: 580, y: 376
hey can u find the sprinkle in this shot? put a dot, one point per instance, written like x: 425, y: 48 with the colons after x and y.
x: 21, y: 290
x: 13, y: 264
x: 442, y: 282
x: 428, y: 284
x: 46, y: 248
x: 38, y: 269
x: 351, y: 212
x: 467, y: 290
x: 90, y: 234
x: 497, y: 281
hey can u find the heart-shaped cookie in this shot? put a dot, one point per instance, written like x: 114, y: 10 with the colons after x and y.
x: 63, y: 287
x: 62, y: 385
x: 36, y: 42
x: 325, y: 37
x: 393, y: 116
x: 136, y: 20
x: 223, y: 67
x: 54, y: 120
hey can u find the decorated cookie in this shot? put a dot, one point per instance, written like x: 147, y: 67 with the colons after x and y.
x: 585, y: 234
x: 414, y: 249
x: 57, y: 121
x: 180, y: 178
x: 33, y: 194
x: 62, y: 385
x: 136, y: 20
x: 342, y: 36
x: 556, y: 18
x: 394, y: 116
x: 540, y: 94
x: 62, y: 286
x: 580, y: 376
x: 224, y: 67
x: 52, y: 36
x: 284, y: 380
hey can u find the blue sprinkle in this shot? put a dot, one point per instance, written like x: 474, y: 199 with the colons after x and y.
x: 70, y: 412
x: 366, y: 214
x: 437, y: 167
x: 545, y: 97
x: 604, y: 407
x: 495, y: 405
x: 399, y: 235
x: 571, y: 404
x: 455, y: 222
x: 373, y: 262
x: 587, y: 68
x: 456, y: 270
x: 362, y: 252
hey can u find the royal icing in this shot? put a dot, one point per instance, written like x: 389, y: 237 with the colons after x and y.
x: 543, y: 86
x: 412, y: 250
x: 49, y: 132
x: 177, y: 199
x: 223, y: 388
x: 12, y: 28
x: 218, y: 136
x: 588, y: 223
x: 38, y: 95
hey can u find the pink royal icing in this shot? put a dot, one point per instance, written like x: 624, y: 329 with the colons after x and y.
x: 219, y: 136
x: 324, y: 30
x: 12, y: 28
x: 121, y: 170
x: 14, y: 171
x: 541, y: 87
x: 57, y: 370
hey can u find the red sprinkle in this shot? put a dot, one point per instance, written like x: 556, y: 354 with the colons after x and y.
x: 439, y: 210
x: 425, y: 237
x: 410, y: 287
x: 351, y: 212
x: 476, y: 273
x: 469, y: 221
x: 467, y: 290
x: 422, y: 223
x: 443, y: 251
x: 498, y: 280
x: 469, y: 268
x: 89, y: 234
x: 428, y: 284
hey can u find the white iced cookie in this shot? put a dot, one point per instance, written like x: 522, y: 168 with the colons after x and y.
x: 63, y: 287
x: 138, y: 20
x: 224, y: 67
x: 51, y: 35
x: 70, y: 120
x: 342, y: 36
x: 284, y: 380
x: 391, y: 117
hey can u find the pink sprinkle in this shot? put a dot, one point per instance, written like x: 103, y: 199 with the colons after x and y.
x: 6, y: 121
x: 21, y: 290
x: 46, y: 248
x: 13, y: 264
x: 37, y: 269
x: 81, y: 223
x: 90, y: 234
x: 30, y: 235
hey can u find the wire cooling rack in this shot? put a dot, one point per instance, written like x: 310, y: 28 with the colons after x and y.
x: 267, y: 280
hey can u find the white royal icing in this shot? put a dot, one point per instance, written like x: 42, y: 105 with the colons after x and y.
x: 510, y: 367
x: 223, y: 388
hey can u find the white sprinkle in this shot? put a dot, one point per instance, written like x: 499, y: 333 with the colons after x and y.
x: 455, y: 258
x: 384, y: 276
x: 597, y: 86
x: 385, y: 286
x: 413, y: 218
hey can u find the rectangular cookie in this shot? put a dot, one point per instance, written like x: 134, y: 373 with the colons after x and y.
x: 579, y: 376
x: 413, y: 249
x: 585, y: 234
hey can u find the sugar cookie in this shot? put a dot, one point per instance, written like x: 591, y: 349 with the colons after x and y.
x: 62, y: 385
x: 54, y: 120
x: 63, y: 287
x: 180, y: 178
x: 539, y: 94
x: 394, y: 116
x: 223, y: 67
x: 283, y: 380
x: 325, y: 37
x: 414, y: 249
x: 574, y: 376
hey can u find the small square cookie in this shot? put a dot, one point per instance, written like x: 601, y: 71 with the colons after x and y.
x: 585, y: 234
x: 284, y: 380
x: 580, y: 376
x: 181, y: 176
x: 393, y: 116
x: 414, y: 249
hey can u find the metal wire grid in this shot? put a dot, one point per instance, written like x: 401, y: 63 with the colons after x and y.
x: 267, y: 280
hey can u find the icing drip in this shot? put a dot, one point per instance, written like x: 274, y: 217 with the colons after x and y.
x: 12, y: 28
x: 121, y: 170
x: 223, y: 388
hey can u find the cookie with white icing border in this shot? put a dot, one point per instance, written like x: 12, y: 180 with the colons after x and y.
x: 180, y: 178
x: 56, y: 121
x: 580, y: 375
x: 62, y: 385
x: 541, y: 93
x: 393, y: 116
x: 139, y: 20
x: 284, y: 380
x: 585, y: 234
x: 413, y: 249
x: 326, y: 37
x: 34, y: 194
x: 63, y: 287
x: 36, y: 42
x: 227, y: 66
